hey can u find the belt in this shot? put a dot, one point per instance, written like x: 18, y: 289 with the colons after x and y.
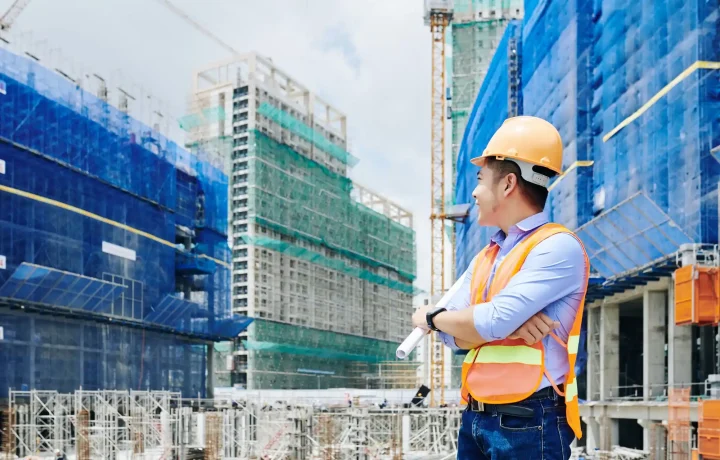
x: 517, y: 410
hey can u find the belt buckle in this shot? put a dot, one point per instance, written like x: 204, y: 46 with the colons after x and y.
x: 478, y: 406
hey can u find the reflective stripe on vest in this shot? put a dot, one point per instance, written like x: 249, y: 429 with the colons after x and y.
x: 509, y: 370
x: 573, y: 344
x: 571, y: 391
x: 500, y: 354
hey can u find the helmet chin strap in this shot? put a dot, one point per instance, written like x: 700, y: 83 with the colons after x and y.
x: 527, y: 173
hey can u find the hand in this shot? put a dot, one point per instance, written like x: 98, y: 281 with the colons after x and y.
x: 419, y: 318
x: 535, y: 329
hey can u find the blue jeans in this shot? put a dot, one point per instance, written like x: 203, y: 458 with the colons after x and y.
x: 493, y: 435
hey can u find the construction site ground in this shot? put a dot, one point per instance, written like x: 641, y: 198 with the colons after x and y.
x: 255, y: 425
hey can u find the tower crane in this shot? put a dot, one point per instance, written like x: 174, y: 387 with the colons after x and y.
x: 438, y: 15
x: 199, y: 27
x: 7, y: 19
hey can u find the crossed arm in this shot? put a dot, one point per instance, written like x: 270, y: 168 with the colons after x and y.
x: 459, y: 324
x: 554, y: 270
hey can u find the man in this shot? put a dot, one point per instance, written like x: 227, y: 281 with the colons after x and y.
x: 518, y: 308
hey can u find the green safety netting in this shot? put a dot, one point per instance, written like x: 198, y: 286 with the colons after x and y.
x: 223, y: 347
x: 299, y: 197
x: 324, y: 342
x: 298, y: 350
x: 335, y: 264
x: 296, y: 126
x: 206, y: 116
x: 299, y: 357
x: 468, y: 6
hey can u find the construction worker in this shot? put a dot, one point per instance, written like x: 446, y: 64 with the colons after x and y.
x: 518, y: 308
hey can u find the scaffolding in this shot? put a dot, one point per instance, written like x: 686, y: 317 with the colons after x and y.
x: 311, y: 250
x: 293, y: 356
x: 161, y: 425
x: 679, y: 429
x: 301, y: 198
x: 489, y: 101
x: 94, y: 424
x: 90, y: 190
x: 476, y: 32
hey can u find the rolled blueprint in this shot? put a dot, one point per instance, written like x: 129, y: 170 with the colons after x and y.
x: 410, y: 343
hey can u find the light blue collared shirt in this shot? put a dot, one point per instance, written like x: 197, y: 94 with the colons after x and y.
x: 551, y: 280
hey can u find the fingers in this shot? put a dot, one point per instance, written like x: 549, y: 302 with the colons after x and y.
x: 525, y: 335
x: 547, y: 320
x: 535, y: 329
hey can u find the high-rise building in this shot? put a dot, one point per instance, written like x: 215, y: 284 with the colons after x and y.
x: 476, y: 30
x: 114, y: 262
x: 324, y: 265
x: 475, y: 34
x: 636, y: 108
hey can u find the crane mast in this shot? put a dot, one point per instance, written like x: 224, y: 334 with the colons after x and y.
x: 438, y: 15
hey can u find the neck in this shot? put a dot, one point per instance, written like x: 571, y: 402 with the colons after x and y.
x: 514, y: 213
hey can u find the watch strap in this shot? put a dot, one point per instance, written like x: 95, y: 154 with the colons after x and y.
x: 430, y: 317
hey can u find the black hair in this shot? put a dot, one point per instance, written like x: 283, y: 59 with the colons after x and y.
x: 535, y: 194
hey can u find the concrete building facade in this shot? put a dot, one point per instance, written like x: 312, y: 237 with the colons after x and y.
x: 324, y: 265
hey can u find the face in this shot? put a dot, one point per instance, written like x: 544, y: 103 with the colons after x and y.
x: 490, y: 196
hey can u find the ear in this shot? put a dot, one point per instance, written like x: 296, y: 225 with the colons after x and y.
x: 510, y: 183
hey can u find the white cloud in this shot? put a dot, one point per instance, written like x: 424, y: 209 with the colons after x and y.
x: 369, y: 58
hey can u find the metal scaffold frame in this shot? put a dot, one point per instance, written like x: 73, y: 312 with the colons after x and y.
x: 160, y: 425
x: 94, y: 424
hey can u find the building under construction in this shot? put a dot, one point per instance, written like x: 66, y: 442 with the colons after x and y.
x: 475, y: 32
x: 324, y: 265
x: 633, y: 89
x: 114, y: 262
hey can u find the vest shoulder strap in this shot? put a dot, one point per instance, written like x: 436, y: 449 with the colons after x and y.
x: 481, y: 269
x: 514, y: 261
x: 539, y: 235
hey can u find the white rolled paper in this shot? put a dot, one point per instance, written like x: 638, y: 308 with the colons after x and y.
x: 410, y: 343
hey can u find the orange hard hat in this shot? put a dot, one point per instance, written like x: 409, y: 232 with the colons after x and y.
x: 528, y: 141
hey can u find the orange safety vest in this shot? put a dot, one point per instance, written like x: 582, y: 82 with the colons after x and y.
x: 509, y: 370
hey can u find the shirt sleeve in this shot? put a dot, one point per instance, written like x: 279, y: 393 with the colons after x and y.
x: 457, y: 298
x: 553, y: 270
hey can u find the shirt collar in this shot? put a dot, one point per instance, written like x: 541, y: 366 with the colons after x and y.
x: 531, y: 223
x: 526, y: 225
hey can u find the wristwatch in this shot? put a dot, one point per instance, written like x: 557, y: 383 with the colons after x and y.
x: 430, y: 316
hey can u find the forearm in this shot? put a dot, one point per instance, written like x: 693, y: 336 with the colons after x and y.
x: 460, y: 324
x: 465, y: 345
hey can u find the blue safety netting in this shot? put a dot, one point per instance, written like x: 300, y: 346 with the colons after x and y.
x: 45, y: 112
x: 43, y: 285
x: 488, y: 113
x: 54, y: 353
x: 638, y: 49
x: 92, y: 203
x: 633, y: 234
x: 589, y: 66
x: 556, y: 72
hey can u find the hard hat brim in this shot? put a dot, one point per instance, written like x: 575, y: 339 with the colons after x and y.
x: 479, y: 161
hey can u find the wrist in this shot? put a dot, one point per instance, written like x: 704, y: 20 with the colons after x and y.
x: 431, y: 316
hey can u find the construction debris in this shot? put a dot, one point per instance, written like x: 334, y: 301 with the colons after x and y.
x: 617, y: 452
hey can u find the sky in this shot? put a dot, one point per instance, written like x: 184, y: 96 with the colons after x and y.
x: 369, y: 58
